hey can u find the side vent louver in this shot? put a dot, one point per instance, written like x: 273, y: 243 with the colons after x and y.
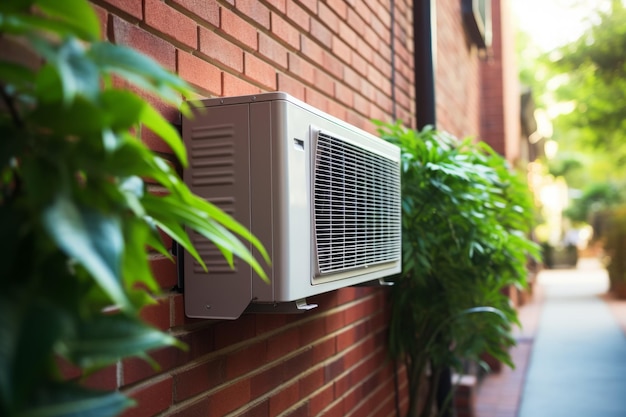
x: 356, y: 198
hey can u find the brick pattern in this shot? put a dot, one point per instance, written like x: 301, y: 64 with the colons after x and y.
x: 457, y: 75
x: 500, y: 126
x: 337, y: 56
x: 311, y: 49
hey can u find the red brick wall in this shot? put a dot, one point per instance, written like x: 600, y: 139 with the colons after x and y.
x: 335, y: 55
x: 457, y: 75
x: 500, y: 122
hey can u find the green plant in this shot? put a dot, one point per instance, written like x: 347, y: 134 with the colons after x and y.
x: 77, y: 213
x: 465, y: 216
x: 615, y: 246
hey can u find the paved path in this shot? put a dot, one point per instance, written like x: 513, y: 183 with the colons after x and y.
x: 578, y: 360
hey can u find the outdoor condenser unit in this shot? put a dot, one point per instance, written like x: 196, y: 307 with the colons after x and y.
x: 322, y: 196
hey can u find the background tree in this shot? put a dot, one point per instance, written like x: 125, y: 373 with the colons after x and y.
x: 583, y: 85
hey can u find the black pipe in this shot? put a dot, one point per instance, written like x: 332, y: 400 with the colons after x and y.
x: 424, y: 35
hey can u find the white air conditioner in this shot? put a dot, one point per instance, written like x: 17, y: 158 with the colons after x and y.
x: 322, y: 196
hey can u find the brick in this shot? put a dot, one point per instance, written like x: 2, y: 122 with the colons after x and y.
x: 355, y: 21
x: 310, y: 5
x: 164, y: 271
x: 132, y: 7
x: 321, y: 400
x: 235, y: 86
x: 235, y: 26
x: 311, y: 383
x: 261, y: 409
x: 347, y: 34
x: 321, y: 33
x: 152, y: 399
x: 196, y: 409
x: 291, y: 86
x: 136, y: 369
x: 278, y: 4
x: 267, y: 380
x: 207, y: 10
x: 125, y: 33
x: 158, y: 314
x: 311, y: 49
x: 311, y: 331
x: 172, y: 23
x: 230, y: 398
x: 216, y: 47
x: 246, y: 360
x: 199, y: 73
x: 255, y: 10
x: 285, y: 31
x: 332, y: 65
x: 177, y: 311
x: 298, y: 15
x: 228, y: 333
x: 344, y: 94
x: 328, y: 17
x: 272, y: 50
x: 285, y: 398
x: 283, y: 343
x: 298, y: 364
x: 103, y: 379
x: 201, y: 377
x: 340, y: 7
x: 316, y: 99
x: 103, y: 19
x: 269, y: 322
x: 333, y: 369
x: 259, y: 71
x: 341, y: 49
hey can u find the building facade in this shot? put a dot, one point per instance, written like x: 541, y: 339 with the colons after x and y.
x: 353, y: 59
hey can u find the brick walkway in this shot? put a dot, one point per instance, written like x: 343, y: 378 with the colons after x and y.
x: 500, y: 393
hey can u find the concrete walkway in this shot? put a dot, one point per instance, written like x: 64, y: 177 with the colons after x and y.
x: 578, y: 361
x: 571, y: 353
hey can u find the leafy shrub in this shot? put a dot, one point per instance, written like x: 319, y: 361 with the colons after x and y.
x: 465, y: 218
x: 77, y: 217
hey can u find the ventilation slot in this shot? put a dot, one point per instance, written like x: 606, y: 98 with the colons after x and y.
x: 356, y: 206
x: 212, y: 155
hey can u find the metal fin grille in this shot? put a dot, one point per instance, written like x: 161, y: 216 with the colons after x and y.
x: 356, y: 206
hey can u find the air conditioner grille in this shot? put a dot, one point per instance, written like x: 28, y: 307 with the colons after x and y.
x: 356, y: 206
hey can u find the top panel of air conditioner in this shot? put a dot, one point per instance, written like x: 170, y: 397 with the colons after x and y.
x: 322, y: 196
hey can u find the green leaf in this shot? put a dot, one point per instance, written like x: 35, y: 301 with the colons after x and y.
x: 77, y: 13
x: 140, y: 70
x: 153, y: 120
x: 17, y: 75
x: 81, y: 117
x: 71, y: 400
x: 135, y: 263
x: 194, y: 217
x: 123, y: 109
x: 92, y: 239
x: 106, y: 339
x: 79, y: 76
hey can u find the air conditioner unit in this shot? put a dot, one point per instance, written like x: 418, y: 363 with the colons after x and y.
x: 322, y: 196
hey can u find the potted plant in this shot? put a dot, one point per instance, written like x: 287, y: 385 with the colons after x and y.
x: 465, y: 220
x: 614, y: 236
x: 77, y: 213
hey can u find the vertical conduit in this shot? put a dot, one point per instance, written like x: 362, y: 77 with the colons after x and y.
x: 424, y: 36
x: 392, y: 37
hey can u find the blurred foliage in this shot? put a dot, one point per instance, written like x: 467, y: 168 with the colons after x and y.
x: 615, y: 247
x: 77, y: 217
x: 465, y: 219
x: 590, y: 75
x: 597, y: 197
